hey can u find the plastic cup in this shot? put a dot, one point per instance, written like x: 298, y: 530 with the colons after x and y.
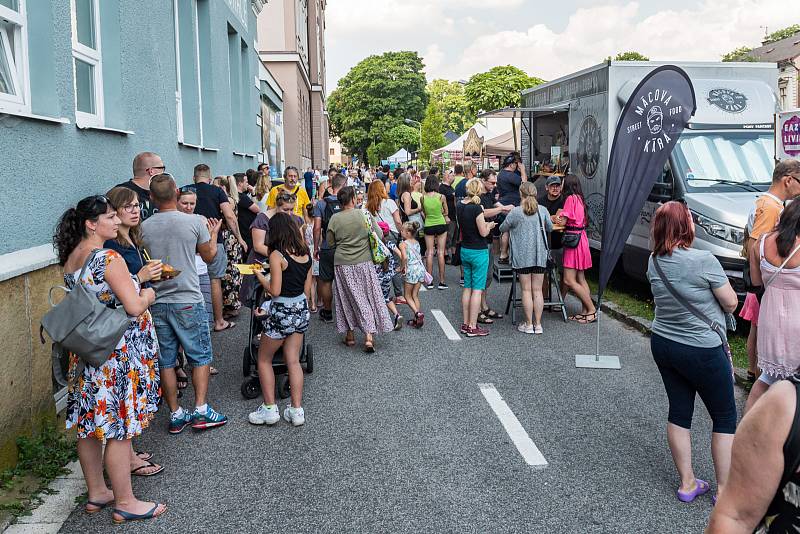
x: 155, y: 278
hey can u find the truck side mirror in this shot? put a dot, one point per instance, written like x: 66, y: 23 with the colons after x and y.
x: 662, y: 189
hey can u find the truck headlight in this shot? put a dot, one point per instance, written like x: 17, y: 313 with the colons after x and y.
x: 723, y: 231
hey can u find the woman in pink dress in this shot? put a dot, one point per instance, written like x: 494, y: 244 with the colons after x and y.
x: 577, y: 260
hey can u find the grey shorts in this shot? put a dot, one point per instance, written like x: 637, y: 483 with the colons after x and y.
x: 216, y: 269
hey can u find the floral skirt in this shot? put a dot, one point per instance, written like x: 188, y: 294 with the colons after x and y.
x: 118, y: 399
x: 232, y: 281
x: 359, y: 300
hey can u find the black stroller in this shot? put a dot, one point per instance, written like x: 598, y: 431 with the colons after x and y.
x: 251, y: 387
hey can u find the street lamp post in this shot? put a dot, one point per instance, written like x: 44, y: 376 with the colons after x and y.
x: 418, y: 125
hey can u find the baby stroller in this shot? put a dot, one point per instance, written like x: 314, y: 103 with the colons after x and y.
x: 251, y: 387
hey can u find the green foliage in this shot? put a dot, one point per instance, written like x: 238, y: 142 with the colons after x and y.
x: 432, y: 131
x: 740, y: 54
x: 452, y: 102
x: 497, y: 88
x: 374, y: 98
x: 629, y: 56
x: 43, y: 456
x: 782, y: 34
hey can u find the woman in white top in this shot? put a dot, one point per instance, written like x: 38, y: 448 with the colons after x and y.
x: 384, y: 209
x: 261, y: 193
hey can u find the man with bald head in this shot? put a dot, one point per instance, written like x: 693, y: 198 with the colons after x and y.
x: 145, y: 166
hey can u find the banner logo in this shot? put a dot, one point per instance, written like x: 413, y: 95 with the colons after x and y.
x: 790, y: 136
x: 650, y: 107
x: 727, y: 100
x: 589, y: 147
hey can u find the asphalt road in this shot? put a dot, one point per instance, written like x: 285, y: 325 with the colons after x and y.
x: 404, y: 441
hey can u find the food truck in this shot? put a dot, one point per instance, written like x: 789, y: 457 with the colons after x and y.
x: 721, y: 163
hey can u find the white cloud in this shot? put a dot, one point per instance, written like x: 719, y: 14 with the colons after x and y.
x: 704, y: 32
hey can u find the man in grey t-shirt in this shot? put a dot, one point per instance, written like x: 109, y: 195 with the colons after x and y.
x: 179, y: 313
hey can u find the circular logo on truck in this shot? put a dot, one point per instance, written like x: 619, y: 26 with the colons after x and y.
x: 589, y: 147
x: 727, y: 100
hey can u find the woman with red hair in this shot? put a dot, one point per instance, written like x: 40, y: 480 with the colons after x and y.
x: 690, y: 355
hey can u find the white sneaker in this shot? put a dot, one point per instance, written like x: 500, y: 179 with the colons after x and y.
x: 265, y: 415
x: 538, y: 329
x: 296, y: 416
x: 525, y: 328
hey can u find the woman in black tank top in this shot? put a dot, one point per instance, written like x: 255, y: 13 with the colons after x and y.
x: 285, y: 318
x: 763, y: 493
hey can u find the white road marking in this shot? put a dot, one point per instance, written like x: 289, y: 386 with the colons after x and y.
x: 448, y: 329
x: 526, y: 447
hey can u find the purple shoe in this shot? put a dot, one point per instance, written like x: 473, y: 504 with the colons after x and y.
x: 701, y: 488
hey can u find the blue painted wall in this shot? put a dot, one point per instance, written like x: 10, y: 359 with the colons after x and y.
x: 46, y: 167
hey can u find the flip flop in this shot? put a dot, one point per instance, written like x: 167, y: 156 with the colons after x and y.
x: 136, y: 472
x: 577, y: 317
x: 369, y: 348
x: 128, y: 516
x: 493, y: 314
x: 585, y: 319
x: 701, y: 488
x: 183, y: 383
x: 230, y: 325
x: 143, y: 456
x: 98, y: 506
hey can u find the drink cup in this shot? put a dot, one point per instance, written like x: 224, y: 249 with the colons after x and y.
x: 157, y: 278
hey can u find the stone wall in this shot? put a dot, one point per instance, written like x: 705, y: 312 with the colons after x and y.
x: 26, y: 390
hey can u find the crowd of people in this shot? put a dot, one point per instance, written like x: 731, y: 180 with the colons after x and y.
x: 354, y: 246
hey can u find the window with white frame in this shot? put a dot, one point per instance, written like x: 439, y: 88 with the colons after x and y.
x: 87, y: 62
x: 14, y: 86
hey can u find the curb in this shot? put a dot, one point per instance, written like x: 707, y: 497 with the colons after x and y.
x: 645, y: 327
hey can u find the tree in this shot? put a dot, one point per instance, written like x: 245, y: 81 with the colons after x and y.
x: 497, y: 88
x: 452, y: 102
x: 782, y: 34
x: 432, y: 131
x: 377, y: 95
x: 740, y: 54
x: 629, y: 56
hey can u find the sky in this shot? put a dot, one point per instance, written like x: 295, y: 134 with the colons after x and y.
x: 547, y: 39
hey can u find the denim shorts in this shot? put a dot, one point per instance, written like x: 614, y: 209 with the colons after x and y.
x: 182, y: 325
x: 476, y: 264
x: 216, y: 269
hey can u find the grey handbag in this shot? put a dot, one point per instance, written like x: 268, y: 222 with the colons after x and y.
x: 83, y: 325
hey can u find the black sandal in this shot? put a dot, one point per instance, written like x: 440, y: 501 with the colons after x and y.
x: 136, y: 471
x: 183, y: 383
x: 493, y: 314
x: 483, y: 318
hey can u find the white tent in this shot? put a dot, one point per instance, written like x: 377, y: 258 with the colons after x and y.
x: 502, y: 144
x: 401, y: 156
x: 457, y: 146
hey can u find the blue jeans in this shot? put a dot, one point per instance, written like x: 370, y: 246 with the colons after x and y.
x: 688, y: 371
x: 182, y: 325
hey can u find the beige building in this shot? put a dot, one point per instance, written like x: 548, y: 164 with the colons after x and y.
x: 335, y: 155
x: 291, y: 43
x: 786, y: 53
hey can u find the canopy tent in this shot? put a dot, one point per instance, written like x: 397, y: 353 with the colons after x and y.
x: 456, y: 148
x: 503, y: 144
x: 401, y: 156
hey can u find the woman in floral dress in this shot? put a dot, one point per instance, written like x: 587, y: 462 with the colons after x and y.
x: 232, y: 281
x: 108, y: 404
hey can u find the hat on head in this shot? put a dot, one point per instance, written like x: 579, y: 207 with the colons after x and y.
x: 508, y: 160
x: 553, y: 180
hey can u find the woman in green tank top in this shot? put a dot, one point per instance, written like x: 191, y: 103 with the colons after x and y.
x: 434, y: 209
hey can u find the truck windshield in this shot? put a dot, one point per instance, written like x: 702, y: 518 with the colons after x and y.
x: 725, y: 161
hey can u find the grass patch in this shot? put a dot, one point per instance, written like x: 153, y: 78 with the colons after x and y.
x: 635, y: 298
x: 42, y: 458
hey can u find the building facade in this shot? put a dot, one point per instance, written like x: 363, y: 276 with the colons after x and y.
x: 335, y: 154
x: 786, y: 53
x: 84, y: 86
x: 292, y: 47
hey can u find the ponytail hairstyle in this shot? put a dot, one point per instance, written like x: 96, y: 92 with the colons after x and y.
x: 474, y: 190
x: 411, y: 226
x: 71, y: 227
x: 528, y: 193
x: 788, y: 229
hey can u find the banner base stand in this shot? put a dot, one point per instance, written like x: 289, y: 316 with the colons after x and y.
x: 593, y: 361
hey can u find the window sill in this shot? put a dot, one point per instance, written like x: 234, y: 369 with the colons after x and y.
x: 27, y: 260
x: 198, y: 147
x: 83, y: 126
x: 43, y: 118
x: 244, y: 154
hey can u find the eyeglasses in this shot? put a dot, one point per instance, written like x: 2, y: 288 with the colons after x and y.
x: 162, y: 168
x: 131, y: 208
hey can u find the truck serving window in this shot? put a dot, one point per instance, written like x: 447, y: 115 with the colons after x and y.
x: 724, y: 161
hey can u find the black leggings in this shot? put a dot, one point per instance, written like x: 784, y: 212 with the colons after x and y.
x: 687, y: 370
